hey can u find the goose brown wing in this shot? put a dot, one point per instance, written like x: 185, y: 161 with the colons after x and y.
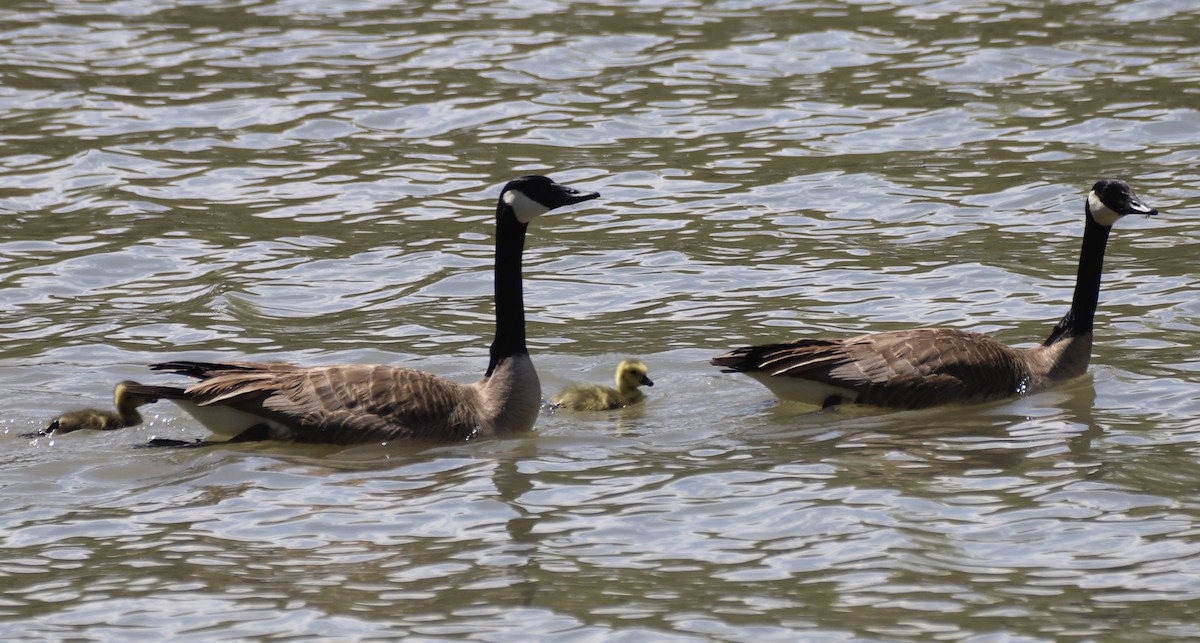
x: 905, y: 369
x: 792, y: 359
x: 926, y: 367
x: 336, y: 404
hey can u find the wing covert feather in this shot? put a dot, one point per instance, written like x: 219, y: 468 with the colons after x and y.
x: 337, y: 404
x: 907, y: 369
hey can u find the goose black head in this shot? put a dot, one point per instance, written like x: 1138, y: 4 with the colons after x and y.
x: 534, y: 195
x: 1112, y: 199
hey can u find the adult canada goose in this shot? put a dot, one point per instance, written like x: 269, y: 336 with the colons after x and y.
x: 593, y: 397
x: 371, y: 403
x: 929, y: 366
x: 126, y: 415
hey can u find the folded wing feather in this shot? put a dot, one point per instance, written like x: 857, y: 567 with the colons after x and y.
x: 335, y: 404
x: 910, y: 369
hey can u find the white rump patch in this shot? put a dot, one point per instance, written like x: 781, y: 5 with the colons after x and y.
x: 524, y: 207
x: 798, y: 389
x: 225, y: 421
x: 1103, y: 214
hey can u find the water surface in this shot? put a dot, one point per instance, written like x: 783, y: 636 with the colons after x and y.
x: 314, y: 181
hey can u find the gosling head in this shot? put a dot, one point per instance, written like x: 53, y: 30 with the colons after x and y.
x: 126, y: 401
x: 535, y: 195
x: 1112, y: 199
x: 631, y: 374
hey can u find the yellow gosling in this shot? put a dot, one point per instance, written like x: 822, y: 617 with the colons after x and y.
x: 126, y: 415
x: 593, y: 397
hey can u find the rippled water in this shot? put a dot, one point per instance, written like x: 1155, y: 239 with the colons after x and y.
x: 314, y: 182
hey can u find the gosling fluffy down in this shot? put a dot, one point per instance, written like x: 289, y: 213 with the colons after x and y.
x: 126, y: 415
x: 631, y: 374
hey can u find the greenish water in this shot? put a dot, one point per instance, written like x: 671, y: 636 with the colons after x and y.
x: 313, y: 182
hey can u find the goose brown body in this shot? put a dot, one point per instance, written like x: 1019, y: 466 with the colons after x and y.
x: 354, y: 403
x: 925, y: 367
x: 913, y: 368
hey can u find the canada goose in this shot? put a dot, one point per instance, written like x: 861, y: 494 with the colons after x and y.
x: 126, y: 415
x: 368, y: 403
x: 593, y: 397
x: 929, y: 366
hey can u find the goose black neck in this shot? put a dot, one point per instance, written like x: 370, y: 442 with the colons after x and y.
x: 1078, y: 320
x: 510, y: 300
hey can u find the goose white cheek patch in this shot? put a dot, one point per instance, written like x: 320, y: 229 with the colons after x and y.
x: 1103, y: 215
x: 523, y: 207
